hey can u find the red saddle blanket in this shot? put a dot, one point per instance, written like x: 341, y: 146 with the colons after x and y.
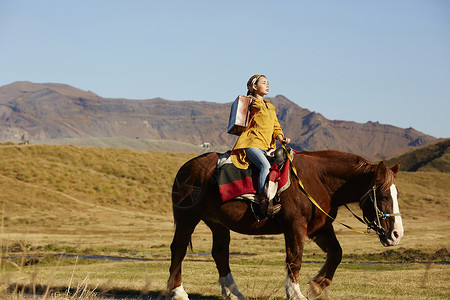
x: 234, y: 182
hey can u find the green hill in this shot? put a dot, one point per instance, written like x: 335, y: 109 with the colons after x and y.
x: 430, y: 158
x: 47, y: 186
x: 62, y: 186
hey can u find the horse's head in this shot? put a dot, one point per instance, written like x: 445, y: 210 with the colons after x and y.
x: 380, y: 206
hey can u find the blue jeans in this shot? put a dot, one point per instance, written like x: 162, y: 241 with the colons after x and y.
x: 258, y: 158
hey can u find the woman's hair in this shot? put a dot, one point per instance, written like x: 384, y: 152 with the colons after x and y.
x: 251, y: 82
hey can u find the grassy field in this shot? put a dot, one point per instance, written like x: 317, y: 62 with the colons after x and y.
x: 115, y: 202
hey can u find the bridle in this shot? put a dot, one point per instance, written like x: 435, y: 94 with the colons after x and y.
x: 375, y: 224
x: 371, y: 193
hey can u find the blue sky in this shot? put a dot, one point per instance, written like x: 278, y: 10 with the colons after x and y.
x: 386, y: 61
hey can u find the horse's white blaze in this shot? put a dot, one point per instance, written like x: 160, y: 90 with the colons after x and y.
x: 293, y: 290
x: 397, y: 232
x: 179, y: 293
x: 229, y: 288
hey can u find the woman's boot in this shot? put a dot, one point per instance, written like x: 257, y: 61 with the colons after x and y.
x: 263, y: 203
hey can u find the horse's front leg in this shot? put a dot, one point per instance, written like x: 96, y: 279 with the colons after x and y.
x: 327, y: 241
x: 294, y: 240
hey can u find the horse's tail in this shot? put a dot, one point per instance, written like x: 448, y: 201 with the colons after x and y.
x: 189, y: 190
x: 190, y: 245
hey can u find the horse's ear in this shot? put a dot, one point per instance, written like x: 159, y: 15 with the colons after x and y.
x: 380, y: 171
x: 396, y: 168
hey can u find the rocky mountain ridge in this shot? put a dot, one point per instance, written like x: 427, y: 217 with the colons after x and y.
x: 35, y: 111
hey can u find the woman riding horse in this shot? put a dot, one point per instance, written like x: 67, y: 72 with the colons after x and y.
x: 259, y: 137
x: 332, y: 178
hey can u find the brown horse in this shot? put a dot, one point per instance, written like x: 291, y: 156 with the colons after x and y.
x: 332, y: 178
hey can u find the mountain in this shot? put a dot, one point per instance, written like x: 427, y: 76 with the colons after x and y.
x: 434, y: 157
x: 32, y: 111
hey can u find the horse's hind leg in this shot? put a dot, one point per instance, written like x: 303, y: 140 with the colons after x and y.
x: 180, y: 242
x: 189, y: 204
x: 327, y: 241
x: 221, y: 255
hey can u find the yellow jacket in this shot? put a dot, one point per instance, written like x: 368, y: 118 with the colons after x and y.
x: 263, y: 128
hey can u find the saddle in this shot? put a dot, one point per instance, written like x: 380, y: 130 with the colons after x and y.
x: 277, y: 157
x: 235, y: 183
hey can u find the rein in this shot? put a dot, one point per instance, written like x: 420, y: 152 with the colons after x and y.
x: 302, y: 188
x: 375, y: 224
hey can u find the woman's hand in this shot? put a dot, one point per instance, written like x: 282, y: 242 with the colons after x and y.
x: 283, y: 140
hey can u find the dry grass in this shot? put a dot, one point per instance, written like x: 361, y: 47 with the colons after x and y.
x: 83, y: 200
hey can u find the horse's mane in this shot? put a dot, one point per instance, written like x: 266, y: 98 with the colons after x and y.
x: 387, y: 181
x: 358, y: 164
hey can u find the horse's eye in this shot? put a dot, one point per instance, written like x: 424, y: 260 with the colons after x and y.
x: 384, y: 198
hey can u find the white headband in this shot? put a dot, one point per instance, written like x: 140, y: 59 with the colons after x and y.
x: 254, y: 82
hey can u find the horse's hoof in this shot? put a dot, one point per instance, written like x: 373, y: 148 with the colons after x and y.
x: 317, y: 286
x: 314, y: 290
x: 230, y: 290
x: 179, y: 293
x: 293, y: 290
x: 180, y: 297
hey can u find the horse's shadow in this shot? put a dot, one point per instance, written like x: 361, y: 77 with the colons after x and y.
x: 38, y: 290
